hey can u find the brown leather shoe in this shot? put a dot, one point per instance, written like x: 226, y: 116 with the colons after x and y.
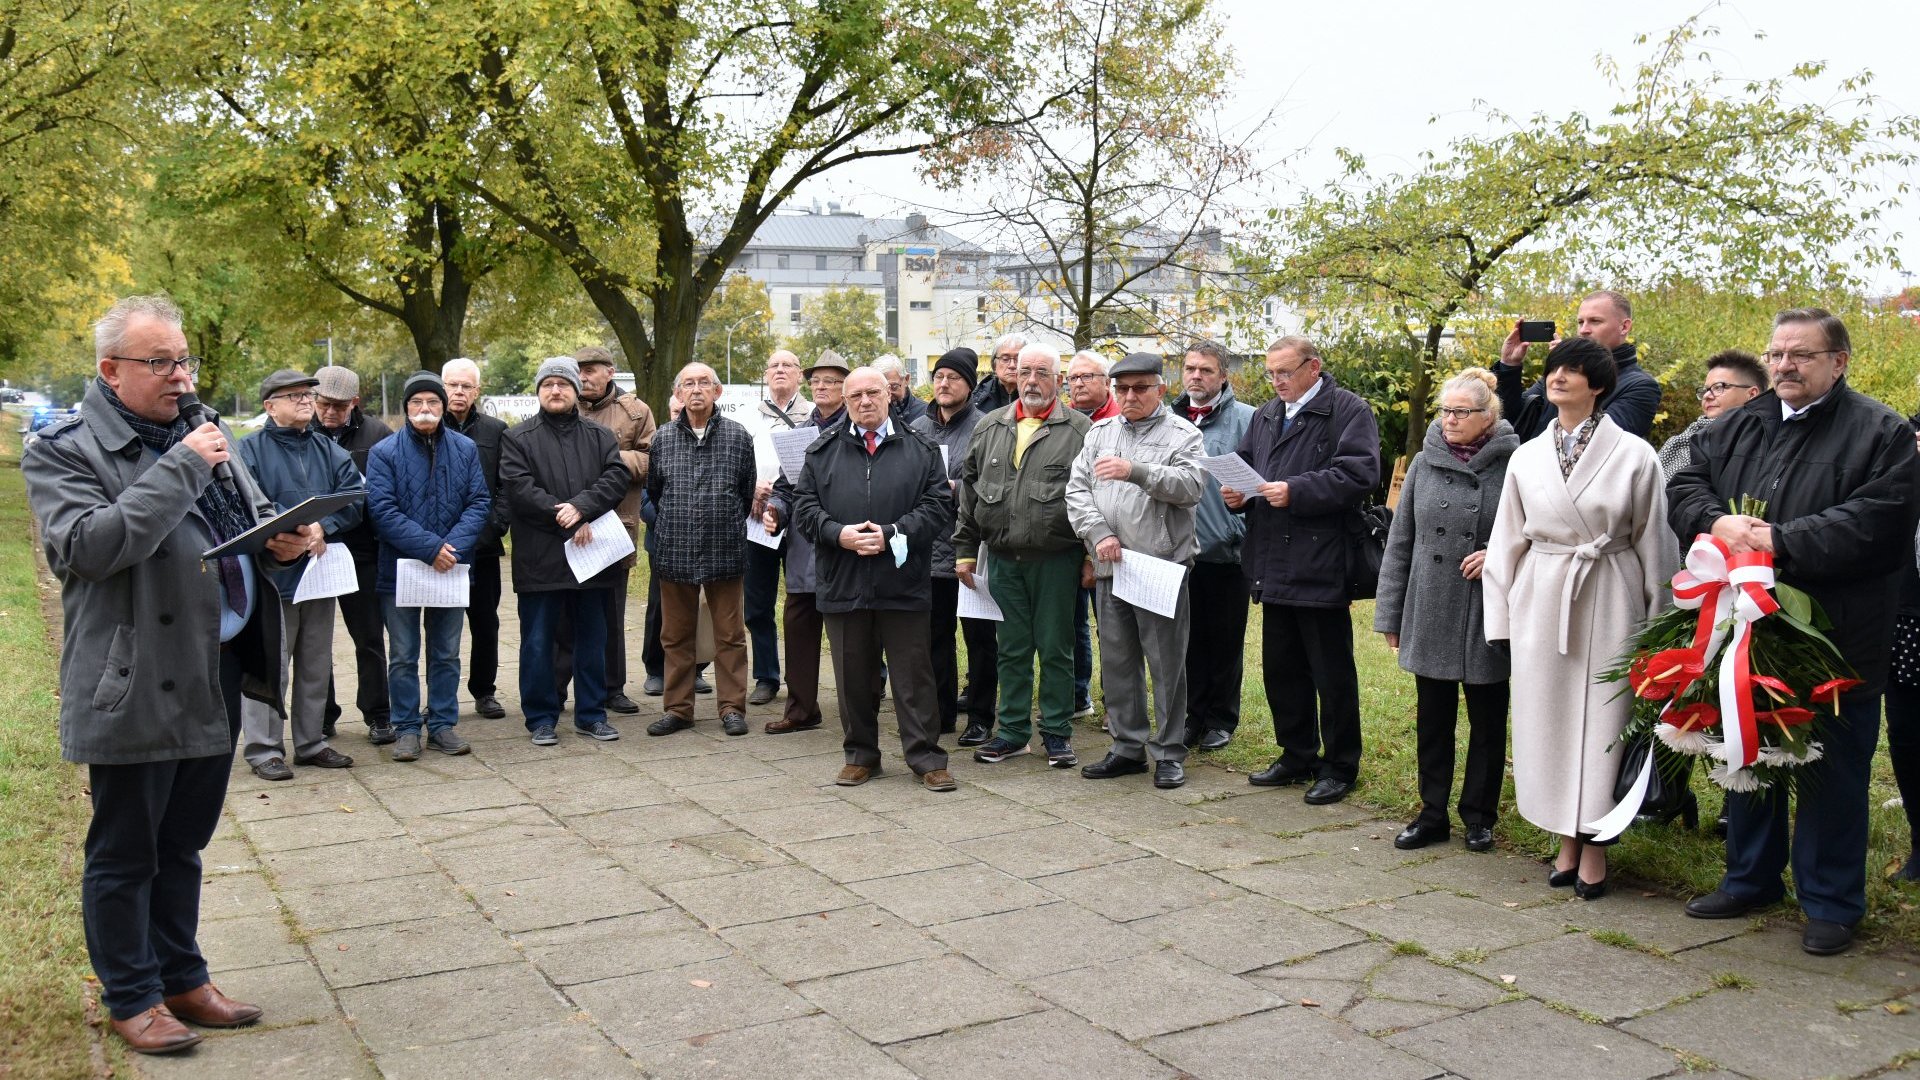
x: 784, y: 725
x: 853, y: 775
x: 208, y: 1007
x: 155, y: 1032
x: 938, y: 780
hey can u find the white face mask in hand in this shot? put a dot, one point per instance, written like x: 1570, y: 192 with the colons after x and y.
x: 899, y: 545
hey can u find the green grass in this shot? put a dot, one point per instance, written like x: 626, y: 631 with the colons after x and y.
x: 43, y: 818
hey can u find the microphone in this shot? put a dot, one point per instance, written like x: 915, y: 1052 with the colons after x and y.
x: 198, y: 412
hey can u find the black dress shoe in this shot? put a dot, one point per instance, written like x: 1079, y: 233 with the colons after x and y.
x: 701, y: 685
x: 1327, y: 790
x: 1280, y: 774
x: 489, y: 707
x: 1823, y: 938
x: 1479, y: 838
x: 976, y: 734
x: 1111, y: 766
x: 654, y: 686
x: 621, y: 703
x: 1214, y: 739
x: 1560, y: 879
x: 1169, y: 774
x: 1420, y: 834
x: 1587, y: 891
x: 1718, y: 905
x: 763, y: 692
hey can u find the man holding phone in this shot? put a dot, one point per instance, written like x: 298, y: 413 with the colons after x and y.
x: 1605, y: 317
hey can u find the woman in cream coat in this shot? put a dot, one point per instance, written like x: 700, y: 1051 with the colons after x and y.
x: 1580, y: 557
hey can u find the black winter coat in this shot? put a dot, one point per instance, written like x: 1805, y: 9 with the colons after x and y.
x: 1839, y: 485
x: 900, y: 487
x: 1330, y: 459
x: 990, y: 395
x: 702, y: 491
x: 955, y: 436
x: 1632, y: 403
x: 546, y: 461
x: 486, y: 432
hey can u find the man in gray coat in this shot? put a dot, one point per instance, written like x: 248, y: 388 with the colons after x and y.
x: 1132, y: 492
x: 157, y: 648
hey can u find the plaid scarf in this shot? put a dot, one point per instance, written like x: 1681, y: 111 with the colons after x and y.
x: 1582, y: 435
x: 226, y: 513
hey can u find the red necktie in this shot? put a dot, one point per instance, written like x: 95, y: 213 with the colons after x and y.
x: 1195, y: 412
x: 873, y: 440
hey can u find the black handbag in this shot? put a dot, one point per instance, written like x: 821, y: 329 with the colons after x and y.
x: 1658, y: 796
x: 1367, y: 529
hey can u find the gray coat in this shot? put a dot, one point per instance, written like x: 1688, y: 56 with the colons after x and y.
x: 1446, y: 513
x: 1152, y: 511
x: 140, y: 662
x: 1220, y: 530
x: 954, y: 436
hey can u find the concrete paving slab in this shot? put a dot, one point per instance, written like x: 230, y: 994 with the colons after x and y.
x: 401, y: 950
x: 807, y: 1048
x: 1281, y: 811
x: 537, y: 903
x: 1246, y: 932
x: 311, y: 791
x: 605, y: 793
x: 1129, y: 814
x: 1043, y: 1044
x: 831, y: 943
x: 569, y: 1049
x: 680, y: 773
x: 1138, y: 888
x: 375, y: 769
x: 310, y: 1052
x: 452, y: 797
x: 778, y: 892
x: 1153, y: 994
x: 761, y: 793
x: 1524, y: 1040
x: 1217, y: 846
x: 1777, y: 1036
x: 228, y: 856
x: 816, y: 822
x: 232, y: 896
x: 521, y: 860
x: 922, y: 997
x: 1028, y: 943
x: 364, y: 860
x: 248, y: 941
x: 662, y: 861
x: 451, y: 1006
x: 371, y: 903
x: 1293, y: 1042
x: 958, y: 892
x: 484, y: 828
x: 678, y: 1004
x: 1446, y: 924
x: 901, y: 791
x: 287, y: 994
x: 972, y: 819
x: 645, y: 824
x: 1562, y: 969
x: 1321, y: 882
x: 1051, y: 849
x: 850, y: 859
x: 333, y: 826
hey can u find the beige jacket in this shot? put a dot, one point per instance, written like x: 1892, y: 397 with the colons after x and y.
x: 631, y: 422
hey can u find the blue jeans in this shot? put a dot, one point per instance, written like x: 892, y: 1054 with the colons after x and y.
x: 1828, y: 844
x: 1083, y: 651
x: 540, y: 614
x: 403, y: 664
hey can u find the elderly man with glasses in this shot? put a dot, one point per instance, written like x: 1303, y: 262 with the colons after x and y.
x: 293, y: 464
x: 998, y: 387
x: 1013, y: 503
x: 1318, y: 449
x: 1838, y: 473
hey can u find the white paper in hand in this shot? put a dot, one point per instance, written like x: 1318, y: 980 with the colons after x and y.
x: 757, y: 532
x: 791, y: 444
x: 329, y: 573
x: 609, y: 545
x: 1232, y: 471
x: 418, y: 584
x: 1149, y: 583
x: 977, y: 602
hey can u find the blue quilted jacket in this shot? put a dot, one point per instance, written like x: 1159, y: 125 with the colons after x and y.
x: 422, y: 493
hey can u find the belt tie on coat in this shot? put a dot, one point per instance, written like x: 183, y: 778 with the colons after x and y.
x: 1584, y: 556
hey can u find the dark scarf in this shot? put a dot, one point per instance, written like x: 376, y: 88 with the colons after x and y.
x: 226, y: 513
x: 1465, y: 451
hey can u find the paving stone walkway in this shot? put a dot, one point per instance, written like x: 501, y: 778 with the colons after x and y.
x: 702, y: 906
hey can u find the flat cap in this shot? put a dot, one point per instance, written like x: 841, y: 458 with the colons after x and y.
x: 337, y: 383
x: 1139, y: 363
x: 829, y: 361
x: 285, y: 379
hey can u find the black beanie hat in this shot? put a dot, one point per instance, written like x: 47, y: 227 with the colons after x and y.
x: 963, y: 362
x: 423, y: 382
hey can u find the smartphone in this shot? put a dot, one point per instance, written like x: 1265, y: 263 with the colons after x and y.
x: 1536, y: 331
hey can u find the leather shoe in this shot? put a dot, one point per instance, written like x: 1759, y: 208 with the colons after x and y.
x: 1279, y: 774
x: 668, y: 724
x: 1214, y: 739
x: 853, y: 775
x: 327, y: 758
x: 1586, y: 891
x: 1169, y: 774
x: 654, y: 686
x: 1327, y: 790
x: 976, y: 734
x: 206, y: 1006
x: 701, y: 685
x: 763, y: 692
x: 1420, y: 834
x: 489, y: 706
x: 621, y: 703
x: 156, y: 1031
x: 1718, y: 905
x: 1823, y: 938
x: 734, y: 723
x: 273, y: 769
x: 938, y: 780
x: 783, y: 725
x: 1479, y: 838
x: 1111, y: 766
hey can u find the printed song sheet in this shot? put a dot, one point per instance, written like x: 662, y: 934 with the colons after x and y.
x: 977, y: 602
x: 609, y: 545
x: 328, y: 574
x: 1147, y: 582
x: 418, y: 584
x: 757, y: 532
x: 791, y: 444
x: 1233, y: 472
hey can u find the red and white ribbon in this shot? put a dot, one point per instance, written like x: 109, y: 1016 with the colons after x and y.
x: 1750, y: 576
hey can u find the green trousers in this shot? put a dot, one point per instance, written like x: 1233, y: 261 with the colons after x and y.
x: 1037, y: 598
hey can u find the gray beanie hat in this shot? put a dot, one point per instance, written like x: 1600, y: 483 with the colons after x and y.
x: 566, y: 367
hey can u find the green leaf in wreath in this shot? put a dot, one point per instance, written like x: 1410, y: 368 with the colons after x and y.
x: 1795, y: 603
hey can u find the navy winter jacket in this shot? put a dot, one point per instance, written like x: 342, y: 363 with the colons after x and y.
x: 422, y: 493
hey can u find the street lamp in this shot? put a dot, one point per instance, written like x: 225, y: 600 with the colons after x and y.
x: 730, y: 331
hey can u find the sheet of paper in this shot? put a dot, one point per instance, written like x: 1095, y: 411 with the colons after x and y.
x: 977, y: 602
x: 1233, y: 472
x: 1150, y: 583
x: 946, y: 464
x: 609, y: 545
x: 757, y: 532
x: 328, y: 574
x: 791, y: 444
x: 418, y: 584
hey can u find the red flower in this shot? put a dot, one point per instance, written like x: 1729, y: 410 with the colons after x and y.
x: 1666, y: 673
x: 1828, y: 693
x: 1777, y: 689
x: 1696, y: 717
x: 1785, y: 718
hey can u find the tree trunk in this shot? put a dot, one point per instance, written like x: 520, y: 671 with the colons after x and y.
x: 1419, y: 397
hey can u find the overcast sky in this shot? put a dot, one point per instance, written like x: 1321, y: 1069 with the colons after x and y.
x: 1370, y: 76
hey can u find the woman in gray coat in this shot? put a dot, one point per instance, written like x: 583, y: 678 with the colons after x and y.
x: 1429, y: 606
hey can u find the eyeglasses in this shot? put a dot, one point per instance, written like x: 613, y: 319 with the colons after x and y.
x: 297, y: 397
x: 863, y: 395
x: 1797, y: 358
x: 466, y: 386
x: 329, y: 403
x: 164, y: 366
x: 1085, y: 377
x: 1006, y: 358
x: 1136, y: 388
x: 1716, y: 389
x: 821, y: 381
x: 1453, y: 413
x: 1283, y: 374
x: 1034, y: 373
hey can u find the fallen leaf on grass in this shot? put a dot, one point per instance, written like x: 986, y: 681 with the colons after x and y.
x: 701, y: 983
